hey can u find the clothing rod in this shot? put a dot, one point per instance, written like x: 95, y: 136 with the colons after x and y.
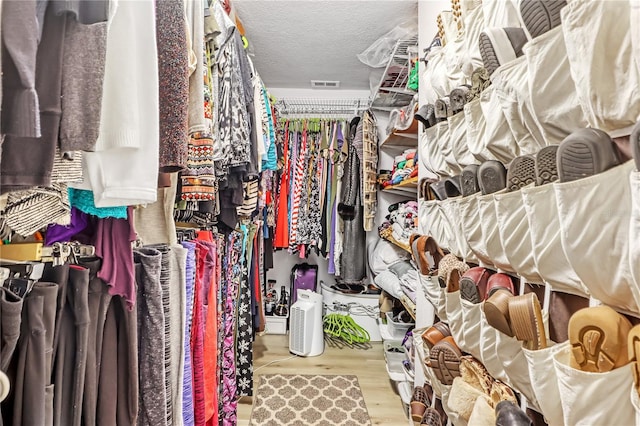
x: 299, y: 106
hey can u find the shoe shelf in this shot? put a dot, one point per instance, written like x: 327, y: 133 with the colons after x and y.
x: 409, y: 306
x: 406, y: 187
x: 392, y: 90
x: 403, y: 138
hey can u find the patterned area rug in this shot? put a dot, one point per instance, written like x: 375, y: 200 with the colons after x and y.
x: 297, y: 400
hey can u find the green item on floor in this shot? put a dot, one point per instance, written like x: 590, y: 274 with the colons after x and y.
x: 343, y: 327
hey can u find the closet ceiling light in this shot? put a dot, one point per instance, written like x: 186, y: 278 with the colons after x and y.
x: 324, y: 84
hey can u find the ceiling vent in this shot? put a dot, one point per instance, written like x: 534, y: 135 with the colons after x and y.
x: 324, y: 84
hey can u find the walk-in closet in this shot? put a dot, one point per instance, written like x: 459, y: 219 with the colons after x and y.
x: 319, y: 212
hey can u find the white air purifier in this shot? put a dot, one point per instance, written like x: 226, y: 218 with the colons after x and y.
x: 306, y: 337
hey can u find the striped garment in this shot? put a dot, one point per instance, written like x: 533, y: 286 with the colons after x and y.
x: 298, y: 182
x: 187, y: 395
x: 165, y: 284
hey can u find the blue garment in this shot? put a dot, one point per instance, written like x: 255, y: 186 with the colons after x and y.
x: 187, y: 381
x: 270, y: 159
x: 83, y: 201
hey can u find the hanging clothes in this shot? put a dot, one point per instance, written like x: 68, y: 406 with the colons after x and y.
x: 353, y: 260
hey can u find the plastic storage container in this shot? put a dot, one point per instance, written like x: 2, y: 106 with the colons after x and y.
x: 397, y: 328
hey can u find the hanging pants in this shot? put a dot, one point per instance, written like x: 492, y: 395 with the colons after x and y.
x: 98, y: 300
x: 118, y: 377
x: 152, y: 410
x: 31, y: 371
x: 71, y: 353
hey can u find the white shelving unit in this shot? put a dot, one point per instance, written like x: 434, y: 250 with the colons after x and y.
x: 392, y: 90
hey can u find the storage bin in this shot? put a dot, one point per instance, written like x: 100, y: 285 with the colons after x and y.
x: 397, y: 328
x: 394, y: 354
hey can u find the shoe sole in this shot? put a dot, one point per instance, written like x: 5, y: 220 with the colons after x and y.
x: 635, y: 144
x: 633, y: 346
x: 585, y: 153
x: 522, y: 172
x: 469, y: 180
x: 445, y: 362
x: 495, y: 49
x: 492, y: 178
x: 526, y: 321
x: 496, y: 310
x: 540, y: 16
x: 546, y: 165
x: 469, y: 290
x: 598, y: 338
x: 488, y: 54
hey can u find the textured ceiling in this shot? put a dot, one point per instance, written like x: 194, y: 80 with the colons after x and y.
x: 293, y: 42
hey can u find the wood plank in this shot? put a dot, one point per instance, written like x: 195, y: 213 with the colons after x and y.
x: 383, y: 402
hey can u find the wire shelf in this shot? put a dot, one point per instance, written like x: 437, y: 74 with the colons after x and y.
x: 314, y: 107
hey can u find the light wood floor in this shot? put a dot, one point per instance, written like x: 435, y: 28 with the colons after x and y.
x: 383, y: 403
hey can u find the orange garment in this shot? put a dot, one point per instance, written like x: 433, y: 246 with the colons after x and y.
x: 281, y: 238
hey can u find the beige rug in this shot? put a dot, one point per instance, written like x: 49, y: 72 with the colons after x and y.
x: 297, y: 400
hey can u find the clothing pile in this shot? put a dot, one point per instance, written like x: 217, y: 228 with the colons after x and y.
x: 405, y: 167
x: 400, y: 224
x: 393, y: 269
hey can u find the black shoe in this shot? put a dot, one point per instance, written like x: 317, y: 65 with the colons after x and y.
x: 452, y: 186
x: 509, y: 414
x: 439, y: 190
x: 492, y: 177
x: 585, y: 152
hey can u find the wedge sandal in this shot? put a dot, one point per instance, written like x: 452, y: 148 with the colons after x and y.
x: 496, y: 310
x: 599, y: 339
x: 527, y: 324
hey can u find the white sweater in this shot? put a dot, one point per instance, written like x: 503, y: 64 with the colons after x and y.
x: 123, y: 170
